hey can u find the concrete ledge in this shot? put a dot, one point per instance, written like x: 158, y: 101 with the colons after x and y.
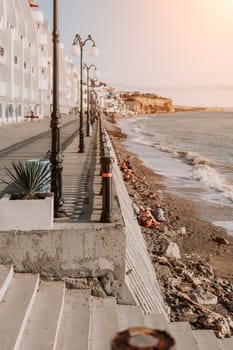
x: 82, y: 250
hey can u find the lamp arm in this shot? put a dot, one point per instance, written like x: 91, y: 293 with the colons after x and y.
x: 92, y: 66
x: 89, y: 38
x: 77, y: 39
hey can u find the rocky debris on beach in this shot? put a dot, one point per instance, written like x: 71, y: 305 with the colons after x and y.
x: 190, y: 287
x: 103, y: 285
x: 193, y: 293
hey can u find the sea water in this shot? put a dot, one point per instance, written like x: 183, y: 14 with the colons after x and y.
x: 194, y: 153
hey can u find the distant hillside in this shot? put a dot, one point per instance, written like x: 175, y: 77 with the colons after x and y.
x: 147, y: 103
x: 196, y: 109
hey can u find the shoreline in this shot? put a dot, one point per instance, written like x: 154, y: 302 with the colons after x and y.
x: 202, y: 245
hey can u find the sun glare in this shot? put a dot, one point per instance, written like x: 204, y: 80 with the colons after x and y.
x: 228, y: 4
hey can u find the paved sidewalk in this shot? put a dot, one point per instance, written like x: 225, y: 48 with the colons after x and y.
x: 82, y: 182
x: 81, y: 173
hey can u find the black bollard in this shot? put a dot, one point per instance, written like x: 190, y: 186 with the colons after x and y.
x: 106, y: 162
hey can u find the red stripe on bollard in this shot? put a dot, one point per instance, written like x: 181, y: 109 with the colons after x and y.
x: 106, y: 174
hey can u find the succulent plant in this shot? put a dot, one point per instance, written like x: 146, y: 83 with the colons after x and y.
x: 27, y: 179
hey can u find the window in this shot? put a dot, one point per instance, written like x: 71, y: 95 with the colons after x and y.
x: 25, y: 65
x: 15, y: 59
x: 2, y: 51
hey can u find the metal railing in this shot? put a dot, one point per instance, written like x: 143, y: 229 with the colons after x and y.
x: 106, y: 172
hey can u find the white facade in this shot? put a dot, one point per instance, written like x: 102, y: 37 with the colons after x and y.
x: 26, y: 65
x: 44, y: 50
x: 68, y: 90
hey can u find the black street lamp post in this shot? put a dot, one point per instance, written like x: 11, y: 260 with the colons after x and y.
x: 88, y: 68
x: 77, y: 50
x: 56, y: 156
x: 93, y: 103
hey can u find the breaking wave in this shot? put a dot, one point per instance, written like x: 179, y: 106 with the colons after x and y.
x: 203, y: 170
x: 198, y: 163
x: 190, y: 158
x: 214, y: 180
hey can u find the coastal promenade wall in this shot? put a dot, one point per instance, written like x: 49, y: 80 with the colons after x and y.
x: 91, y: 249
x: 140, y: 276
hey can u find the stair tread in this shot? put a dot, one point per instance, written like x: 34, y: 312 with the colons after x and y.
x: 14, y: 306
x: 182, y: 333
x: 74, y: 329
x: 41, y: 329
x: 129, y: 316
x: 5, y: 272
x: 155, y: 321
x: 206, y: 339
x: 104, y: 323
x: 226, y: 343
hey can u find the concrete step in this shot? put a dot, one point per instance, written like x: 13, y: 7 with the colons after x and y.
x: 183, y: 335
x: 156, y: 321
x: 129, y: 316
x: 42, y: 327
x: 6, y: 274
x: 74, y: 329
x: 226, y: 343
x: 15, y: 309
x: 206, y: 339
x: 103, y: 323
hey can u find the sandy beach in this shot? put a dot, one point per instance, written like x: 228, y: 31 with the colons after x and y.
x: 206, y: 251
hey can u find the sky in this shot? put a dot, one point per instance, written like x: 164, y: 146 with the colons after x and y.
x: 153, y: 45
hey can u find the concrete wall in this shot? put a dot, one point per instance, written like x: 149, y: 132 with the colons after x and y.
x: 81, y: 251
x: 141, y: 279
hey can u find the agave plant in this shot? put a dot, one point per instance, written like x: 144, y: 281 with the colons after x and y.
x: 27, y: 179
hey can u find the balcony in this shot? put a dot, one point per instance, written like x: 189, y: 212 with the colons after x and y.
x: 42, y: 39
x: 38, y: 17
x: 25, y: 93
x: 2, y: 59
x: 43, y: 84
x: 43, y: 62
x: 33, y: 96
x: 2, y: 89
x: 16, y: 91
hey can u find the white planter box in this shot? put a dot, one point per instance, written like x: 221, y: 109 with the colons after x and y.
x: 26, y: 215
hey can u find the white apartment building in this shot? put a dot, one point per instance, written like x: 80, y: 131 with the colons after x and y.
x: 26, y: 65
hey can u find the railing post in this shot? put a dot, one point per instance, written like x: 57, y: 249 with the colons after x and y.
x: 106, y: 162
x: 141, y: 338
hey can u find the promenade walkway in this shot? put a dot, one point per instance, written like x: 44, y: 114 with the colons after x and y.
x: 37, y: 312
x: 81, y: 177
